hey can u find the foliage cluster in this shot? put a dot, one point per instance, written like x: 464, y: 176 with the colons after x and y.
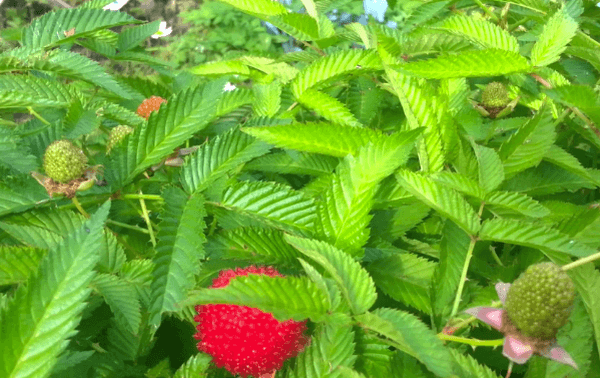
x: 363, y: 166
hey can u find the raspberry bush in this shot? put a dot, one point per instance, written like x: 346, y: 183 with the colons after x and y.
x: 354, y: 200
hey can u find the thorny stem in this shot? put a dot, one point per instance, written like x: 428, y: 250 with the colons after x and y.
x: 472, y: 342
x: 146, y: 217
x: 463, y: 277
x: 79, y: 207
x: 581, y: 261
x: 36, y: 115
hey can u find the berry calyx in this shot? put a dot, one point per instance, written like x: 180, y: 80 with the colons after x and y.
x: 539, y: 302
x: 117, y: 134
x: 244, y: 340
x: 495, y: 95
x: 64, y: 162
x: 149, y: 105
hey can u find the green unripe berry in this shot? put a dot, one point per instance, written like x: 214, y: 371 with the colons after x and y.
x: 539, y: 302
x: 495, y: 95
x: 117, y: 134
x: 64, y: 162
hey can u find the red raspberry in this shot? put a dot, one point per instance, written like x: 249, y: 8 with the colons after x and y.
x: 244, y: 340
x: 149, y: 105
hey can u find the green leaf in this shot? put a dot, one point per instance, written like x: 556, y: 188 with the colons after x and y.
x: 218, y: 157
x: 300, y: 26
x: 557, y: 33
x: 267, y: 98
x: 277, y: 205
x: 17, y: 263
x: 294, y: 163
x: 328, y: 107
x: 24, y: 90
x: 35, y: 325
x: 408, y: 334
x: 548, y: 179
x: 446, y: 201
x: 580, y: 96
x: 491, y: 172
x: 453, y: 254
x: 481, y: 33
x: 332, y: 66
x: 467, y: 367
x: 517, y: 202
x: 527, y: 147
x: 344, y: 212
x: 565, y: 160
x: 476, y: 63
x: 286, y: 298
x: 322, y: 138
x: 247, y: 243
x: 532, y: 235
x: 256, y: 7
x: 16, y: 157
x: 364, y: 99
x: 404, y: 277
x: 331, y: 347
x: 460, y: 183
x: 131, y: 37
x: 122, y: 300
x: 56, y: 27
x: 178, y: 252
x: 184, y: 115
x: 195, y: 366
x: 354, y: 282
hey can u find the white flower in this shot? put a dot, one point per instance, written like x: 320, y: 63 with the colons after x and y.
x: 116, y: 5
x: 163, y: 31
x: 228, y: 87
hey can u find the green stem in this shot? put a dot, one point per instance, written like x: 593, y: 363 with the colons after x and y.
x: 463, y: 277
x: 581, y: 261
x: 79, y: 207
x: 150, y: 197
x: 495, y: 256
x: 128, y: 226
x: 146, y: 217
x: 472, y: 342
x: 486, y: 10
x: 36, y: 115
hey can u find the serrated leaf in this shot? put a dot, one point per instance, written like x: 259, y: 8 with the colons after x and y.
x: 446, y: 201
x: 328, y: 107
x: 557, y: 33
x: 481, y: 33
x: 404, y: 277
x: 295, y: 163
x: 267, y: 98
x: 344, y: 211
x: 131, y: 37
x: 332, y: 346
x: 468, y: 367
x: 218, y: 157
x: 195, y: 366
x: 476, y: 63
x: 547, y: 179
x: 354, y: 282
x: 259, y: 245
x: 122, y: 300
x: 286, y: 298
x: 178, y: 252
x: 254, y: 7
x: 43, y: 314
x: 17, y: 263
x: 460, y: 183
x: 532, y: 235
x: 491, y: 172
x: 518, y: 202
x: 407, y: 333
x: 277, y: 205
x: 580, y: 96
x: 42, y: 92
x: 16, y: 157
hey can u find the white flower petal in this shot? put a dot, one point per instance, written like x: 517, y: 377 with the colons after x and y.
x: 116, y: 5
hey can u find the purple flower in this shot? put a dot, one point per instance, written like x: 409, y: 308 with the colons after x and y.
x: 517, y: 347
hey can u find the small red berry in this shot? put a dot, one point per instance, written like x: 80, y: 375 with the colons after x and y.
x: 244, y: 340
x: 149, y: 105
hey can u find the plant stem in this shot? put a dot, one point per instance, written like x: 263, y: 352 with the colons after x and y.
x: 150, y: 197
x: 36, y: 115
x: 472, y: 342
x: 463, y: 277
x: 128, y: 226
x: 146, y: 217
x: 79, y: 207
x: 486, y: 10
x: 581, y: 261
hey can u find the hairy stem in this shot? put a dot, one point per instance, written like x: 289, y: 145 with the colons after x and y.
x: 79, y: 207
x: 581, y: 261
x: 463, y: 277
x: 472, y: 342
x: 146, y: 216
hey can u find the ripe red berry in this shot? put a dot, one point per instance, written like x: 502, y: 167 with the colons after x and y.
x: 244, y: 340
x: 149, y: 105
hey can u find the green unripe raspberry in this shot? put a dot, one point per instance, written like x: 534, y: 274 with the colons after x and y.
x: 64, y: 162
x: 117, y: 134
x: 539, y: 301
x: 495, y: 95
